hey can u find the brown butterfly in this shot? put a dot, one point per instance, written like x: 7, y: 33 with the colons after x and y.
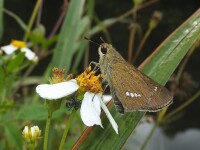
x: 130, y: 89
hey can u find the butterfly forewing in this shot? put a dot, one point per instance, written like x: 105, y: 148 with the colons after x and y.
x: 136, y: 91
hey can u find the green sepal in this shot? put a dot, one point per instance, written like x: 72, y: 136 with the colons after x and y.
x: 53, y: 105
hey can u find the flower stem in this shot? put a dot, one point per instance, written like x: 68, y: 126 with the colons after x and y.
x: 33, y: 16
x: 67, y: 129
x: 46, y: 135
x: 181, y: 107
x: 141, y: 45
x: 149, y: 136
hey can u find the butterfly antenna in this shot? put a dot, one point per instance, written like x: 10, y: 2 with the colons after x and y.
x: 102, y: 40
x: 91, y: 41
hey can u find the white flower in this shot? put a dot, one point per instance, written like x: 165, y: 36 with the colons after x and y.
x: 91, y: 105
x: 91, y: 110
x: 58, y: 90
x: 35, y: 131
x: 31, y: 133
x: 15, y: 45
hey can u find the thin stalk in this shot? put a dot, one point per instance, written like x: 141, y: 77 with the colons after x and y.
x: 183, y: 64
x: 66, y: 130
x: 126, y: 14
x: 33, y: 16
x: 46, y: 135
x: 60, y: 20
x: 149, y: 136
x: 131, y: 43
x: 26, y: 74
x: 161, y: 114
x: 90, y: 14
x: 15, y: 17
x: 132, y: 34
x: 141, y: 45
x: 39, y: 15
x: 181, y: 107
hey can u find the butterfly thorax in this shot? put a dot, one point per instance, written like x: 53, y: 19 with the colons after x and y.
x: 108, y: 57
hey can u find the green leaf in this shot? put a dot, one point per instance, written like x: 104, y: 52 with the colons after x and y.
x: 12, y: 66
x: 70, y: 33
x: 13, y: 134
x: 2, y: 77
x: 159, y: 66
x: 37, y: 112
x: 1, y: 18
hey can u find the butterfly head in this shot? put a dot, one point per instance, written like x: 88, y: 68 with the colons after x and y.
x: 105, y: 49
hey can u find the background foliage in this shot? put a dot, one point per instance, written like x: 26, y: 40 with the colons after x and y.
x: 57, y: 38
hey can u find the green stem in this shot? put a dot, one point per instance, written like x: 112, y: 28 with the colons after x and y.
x: 131, y: 43
x: 194, y: 97
x: 46, y: 135
x: 149, y: 136
x: 67, y: 129
x: 141, y: 45
x: 121, y: 17
x: 26, y: 74
x: 183, y: 64
x: 33, y: 16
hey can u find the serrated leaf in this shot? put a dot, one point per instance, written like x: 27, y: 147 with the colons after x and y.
x: 159, y: 66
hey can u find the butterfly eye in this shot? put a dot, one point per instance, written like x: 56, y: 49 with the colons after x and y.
x: 104, y: 50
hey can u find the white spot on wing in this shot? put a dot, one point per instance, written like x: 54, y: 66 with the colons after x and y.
x: 127, y: 94
x: 132, y: 95
x: 155, y: 88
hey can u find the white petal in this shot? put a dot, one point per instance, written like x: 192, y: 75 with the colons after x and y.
x: 58, y: 90
x: 26, y: 130
x: 90, y: 110
x: 28, y: 53
x: 96, y: 103
x: 106, y: 98
x: 32, y: 131
x: 110, y: 118
x: 9, y: 49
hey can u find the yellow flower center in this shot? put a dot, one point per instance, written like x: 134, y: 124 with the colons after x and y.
x: 18, y: 44
x: 58, y: 75
x: 88, y: 81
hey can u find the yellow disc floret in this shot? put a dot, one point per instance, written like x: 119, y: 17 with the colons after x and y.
x: 58, y: 75
x: 19, y: 44
x: 88, y: 81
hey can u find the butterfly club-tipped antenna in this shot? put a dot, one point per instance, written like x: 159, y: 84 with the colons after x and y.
x: 91, y: 41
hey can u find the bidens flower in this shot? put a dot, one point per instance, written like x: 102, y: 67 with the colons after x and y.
x: 59, y: 86
x: 31, y: 133
x: 19, y: 45
x: 88, y: 86
x: 92, y: 102
x: 31, y: 136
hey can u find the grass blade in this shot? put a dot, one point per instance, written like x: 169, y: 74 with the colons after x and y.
x: 159, y: 66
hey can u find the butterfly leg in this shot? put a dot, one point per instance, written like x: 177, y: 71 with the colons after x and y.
x: 94, y: 63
